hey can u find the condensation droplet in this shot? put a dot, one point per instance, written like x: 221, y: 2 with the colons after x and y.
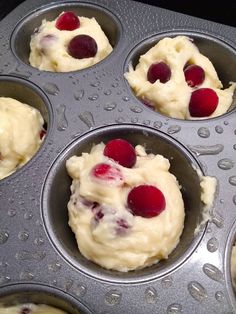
x: 134, y: 120
x: 54, y: 267
x: 225, y: 164
x: 3, y: 264
x: 95, y: 84
x: 113, y: 297
x: 136, y: 109
x: 4, y: 235
x: 26, y: 275
x: 39, y: 241
x: 28, y: 215
x: 206, y: 150
x: 174, y: 308
x: 213, y: 272
x: 120, y: 120
x: 212, y: 245
x: 51, y: 88
x: 80, y: 290
x: 197, y: 291
x: 87, y: 118
x: 79, y: 94
x: 234, y: 147
x: 146, y: 122
x: 219, y: 129
x: 93, y: 97
x: 151, y: 295
x: 226, y: 122
x: 166, y: 282
x: 110, y: 106
x: 30, y: 256
x: 4, y: 279
x: 173, y: 129
x: 107, y: 92
x: 157, y: 124
x: 203, y: 132
x: 218, y: 221
x: 232, y: 180
x: 23, y: 235
x: 68, y: 284
x: 115, y: 84
x: 62, y: 122
x: 11, y: 212
x: 220, y: 297
x: 126, y: 98
x: 234, y: 199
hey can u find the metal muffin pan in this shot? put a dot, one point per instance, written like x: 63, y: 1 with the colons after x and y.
x: 38, y: 253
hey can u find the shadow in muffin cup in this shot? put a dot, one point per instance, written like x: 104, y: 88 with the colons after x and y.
x: 222, y: 55
x: 56, y: 195
x: 21, y: 36
x: 23, y: 293
x: 28, y: 93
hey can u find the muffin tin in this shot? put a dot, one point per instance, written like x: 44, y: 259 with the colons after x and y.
x: 39, y: 260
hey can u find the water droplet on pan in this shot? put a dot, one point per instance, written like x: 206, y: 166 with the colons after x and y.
x: 234, y: 199
x: 218, y: 221
x: 4, y: 279
x: 80, y: 290
x: 23, y: 235
x: 110, y: 106
x: 51, y: 88
x: 173, y: 129
x: 107, y: 92
x: 166, y: 282
x: 219, y: 129
x: 220, y: 297
x: 213, y: 272
x: 151, y: 295
x: 197, y: 291
x: 212, y: 245
x: 26, y: 275
x: 87, y: 118
x: 136, y: 109
x: 113, y: 297
x: 56, y: 266
x: 203, y: 132
x: 11, y: 212
x: 93, y: 97
x: 79, y: 94
x: 206, y: 150
x: 225, y: 164
x: 157, y: 124
x: 174, y: 308
x: 62, y: 122
x: 3, y: 236
x: 232, y: 180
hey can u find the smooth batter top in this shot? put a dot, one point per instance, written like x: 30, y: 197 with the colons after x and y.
x: 49, y: 46
x: 20, y: 127
x: 106, y: 231
x: 233, y: 266
x: 172, y: 98
x: 31, y: 309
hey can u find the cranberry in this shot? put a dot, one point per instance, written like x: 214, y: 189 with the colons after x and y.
x: 146, y: 201
x: 82, y: 46
x: 159, y: 71
x: 203, y: 102
x: 67, y: 21
x: 121, y: 151
x: 42, y: 133
x: 25, y: 310
x: 194, y: 75
x: 107, y: 173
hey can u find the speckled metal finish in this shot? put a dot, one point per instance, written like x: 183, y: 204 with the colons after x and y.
x: 37, y: 248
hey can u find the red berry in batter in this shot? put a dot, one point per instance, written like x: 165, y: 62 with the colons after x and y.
x: 82, y: 46
x: 107, y: 173
x: 203, y: 102
x: 121, y: 151
x: 146, y: 201
x: 159, y: 71
x: 194, y: 75
x: 67, y: 21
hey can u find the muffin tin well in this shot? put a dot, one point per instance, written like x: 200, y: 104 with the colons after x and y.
x: 39, y: 259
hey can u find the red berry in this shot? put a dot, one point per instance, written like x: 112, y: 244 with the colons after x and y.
x: 194, y: 75
x: 42, y: 133
x: 25, y: 310
x: 108, y: 173
x: 203, y: 102
x: 159, y: 71
x: 82, y: 46
x: 67, y: 21
x: 146, y: 201
x: 121, y: 151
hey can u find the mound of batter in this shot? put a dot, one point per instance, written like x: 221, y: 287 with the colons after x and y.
x: 107, y: 231
x: 171, y: 94
x: 233, y: 266
x: 49, y: 46
x: 21, y: 128
x: 30, y: 309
